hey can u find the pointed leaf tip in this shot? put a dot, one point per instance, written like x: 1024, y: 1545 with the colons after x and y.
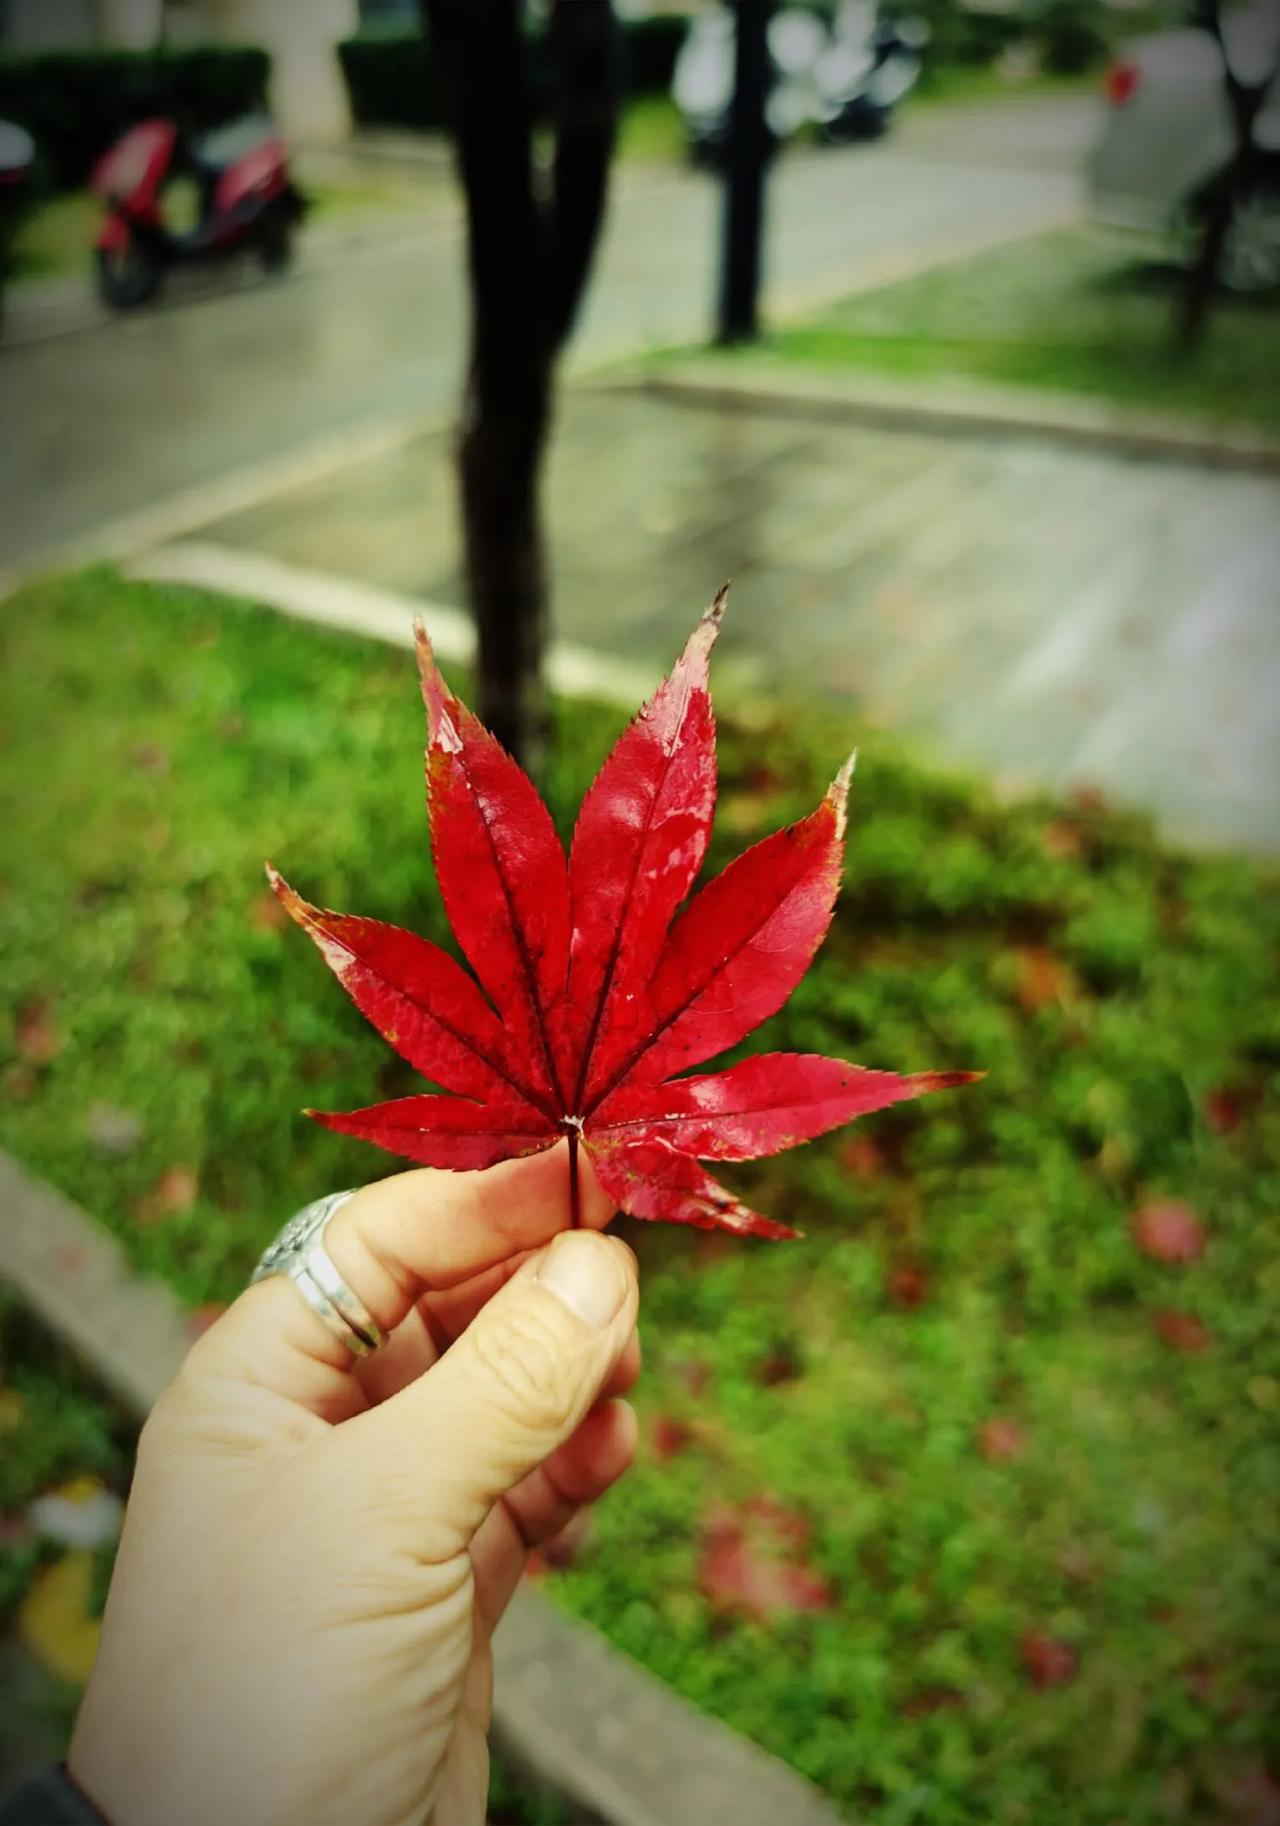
x: 925, y: 1082
x: 839, y: 793
x: 436, y: 695
x: 282, y: 890
x: 705, y: 634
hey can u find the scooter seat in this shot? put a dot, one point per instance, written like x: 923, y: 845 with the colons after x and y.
x: 215, y: 153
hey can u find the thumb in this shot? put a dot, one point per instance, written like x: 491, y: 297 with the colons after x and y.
x: 513, y: 1388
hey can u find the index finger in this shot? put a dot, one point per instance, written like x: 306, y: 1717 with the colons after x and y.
x: 414, y: 1233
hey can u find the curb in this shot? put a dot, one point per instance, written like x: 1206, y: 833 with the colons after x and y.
x: 329, y: 601
x: 626, y: 1752
x: 744, y: 384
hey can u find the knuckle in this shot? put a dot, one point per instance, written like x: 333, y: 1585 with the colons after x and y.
x: 527, y: 1367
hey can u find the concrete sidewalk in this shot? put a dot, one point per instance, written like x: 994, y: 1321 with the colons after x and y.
x: 1047, y: 612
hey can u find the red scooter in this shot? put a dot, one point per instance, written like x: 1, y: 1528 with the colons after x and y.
x: 248, y: 203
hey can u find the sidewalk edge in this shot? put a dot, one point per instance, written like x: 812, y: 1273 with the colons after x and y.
x: 959, y: 410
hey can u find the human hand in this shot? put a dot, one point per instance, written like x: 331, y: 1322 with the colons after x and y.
x: 318, y: 1547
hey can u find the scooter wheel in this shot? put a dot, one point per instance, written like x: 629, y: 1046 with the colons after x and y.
x: 275, y: 244
x: 128, y: 277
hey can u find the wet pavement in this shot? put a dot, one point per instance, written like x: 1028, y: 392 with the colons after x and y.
x: 104, y: 419
x: 1042, y: 611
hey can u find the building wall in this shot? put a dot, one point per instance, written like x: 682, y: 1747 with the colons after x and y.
x: 308, y: 94
x: 46, y: 25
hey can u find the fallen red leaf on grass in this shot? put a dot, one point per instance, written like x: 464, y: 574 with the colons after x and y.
x: 1169, y: 1231
x: 591, y: 990
x: 1042, y: 980
x: 908, y: 1285
x: 1226, y: 1107
x: 172, y: 1194
x: 777, y: 1518
x: 1048, y: 1661
x: 778, y: 1366
x: 1251, y: 1794
x: 933, y: 1699
x: 863, y: 1158
x: 37, y: 1038
x: 1001, y: 1439
x: 1183, y: 1331
x: 669, y: 1436
x: 752, y: 1562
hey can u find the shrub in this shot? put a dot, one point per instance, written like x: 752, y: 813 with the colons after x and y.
x: 392, y: 80
x: 1072, y: 35
x: 649, y: 51
x: 77, y: 103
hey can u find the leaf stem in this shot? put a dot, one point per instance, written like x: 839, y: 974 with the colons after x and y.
x: 575, y: 1192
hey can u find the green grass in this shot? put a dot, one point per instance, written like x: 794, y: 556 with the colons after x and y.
x: 951, y: 83
x: 57, y: 237
x: 157, y: 745
x: 1075, y: 310
x: 650, y: 131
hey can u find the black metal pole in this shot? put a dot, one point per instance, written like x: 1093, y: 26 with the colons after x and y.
x: 747, y: 155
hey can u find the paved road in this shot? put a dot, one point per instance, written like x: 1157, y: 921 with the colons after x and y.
x: 104, y: 419
x: 1044, y: 612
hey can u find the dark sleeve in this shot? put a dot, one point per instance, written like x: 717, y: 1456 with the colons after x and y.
x: 49, y: 1798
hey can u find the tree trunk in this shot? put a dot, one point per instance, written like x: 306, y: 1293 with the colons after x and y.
x: 529, y: 260
x: 1245, y: 102
x: 499, y: 466
x: 747, y: 155
x: 1202, y: 280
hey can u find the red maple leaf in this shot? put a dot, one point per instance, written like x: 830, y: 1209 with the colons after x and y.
x: 1047, y: 1661
x: 1169, y: 1231
x: 1001, y: 1439
x: 753, y: 1562
x: 591, y: 989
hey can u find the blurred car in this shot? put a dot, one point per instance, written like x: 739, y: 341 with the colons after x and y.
x: 1168, y: 136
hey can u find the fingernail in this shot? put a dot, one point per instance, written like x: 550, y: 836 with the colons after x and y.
x: 586, y: 1273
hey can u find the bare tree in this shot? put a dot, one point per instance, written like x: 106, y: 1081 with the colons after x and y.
x: 1231, y: 187
x: 531, y: 239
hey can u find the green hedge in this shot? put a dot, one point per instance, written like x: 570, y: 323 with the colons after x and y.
x: 392, y: 80
x: 77, y: 103
x: 1074, y: 36
x: 962, y: 36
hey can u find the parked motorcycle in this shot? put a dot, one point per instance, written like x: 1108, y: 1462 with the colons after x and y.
x: 17, y: 159
x: 844, y: 82
x: 872, y: 64
x: 247, y: 204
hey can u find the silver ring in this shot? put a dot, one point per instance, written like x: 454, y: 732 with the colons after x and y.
x: 298, y: 1252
